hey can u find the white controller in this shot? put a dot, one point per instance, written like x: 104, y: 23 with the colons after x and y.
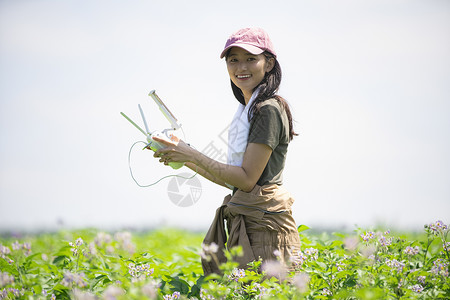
x: 152, y: 144
x: 155, y: 146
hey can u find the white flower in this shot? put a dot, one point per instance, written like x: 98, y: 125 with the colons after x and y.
x: 274, y: 268
x: 81, y: 295
x: 211, y: 248
x: 301, y: 281
x: 150, y: 290
x: 102, y: 238
x: 351, y: 243
x: 312, y: 253
x: 16, y: 245
x: 6, y: 279
x: 112, y: 292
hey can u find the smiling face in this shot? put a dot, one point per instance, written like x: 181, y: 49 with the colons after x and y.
x: 247, y: 70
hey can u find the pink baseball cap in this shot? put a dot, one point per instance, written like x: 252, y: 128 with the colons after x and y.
x: 254, y: 40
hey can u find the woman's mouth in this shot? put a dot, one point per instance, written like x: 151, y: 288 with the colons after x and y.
x: 243, y: 76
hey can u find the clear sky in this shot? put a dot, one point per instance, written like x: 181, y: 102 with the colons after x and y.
x: 368, y: 83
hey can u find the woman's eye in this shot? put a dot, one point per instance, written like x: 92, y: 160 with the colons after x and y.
x: 251, y: 59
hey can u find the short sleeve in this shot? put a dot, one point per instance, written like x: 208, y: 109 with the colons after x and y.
x: 266, y: 127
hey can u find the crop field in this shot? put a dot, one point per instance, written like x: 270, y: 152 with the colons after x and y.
x: 165, y: 264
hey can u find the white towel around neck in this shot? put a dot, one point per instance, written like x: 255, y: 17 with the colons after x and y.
x: 238, y: 133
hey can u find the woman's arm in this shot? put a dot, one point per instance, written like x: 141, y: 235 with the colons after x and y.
x: 245, y: 177
x: 205, y: 174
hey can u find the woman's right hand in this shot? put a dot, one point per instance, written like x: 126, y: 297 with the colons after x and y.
x: 173, y: 151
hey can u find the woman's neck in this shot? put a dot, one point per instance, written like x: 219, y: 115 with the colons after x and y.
x: 247, y: 96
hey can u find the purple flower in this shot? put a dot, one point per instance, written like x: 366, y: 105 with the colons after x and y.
x: 421, y: 279
x: 437, y: 227
x: 298, y: 259
x: 368, y: 236
x: 440, y: 267
x: 340, y: 266
x: 236, y: 274
x: 174, y: 296
x: 416, y: 288
x: 411, y: 251
x: 446, y: 246
x: 326, y: 292
x: 71, y: 279
x: 395, y: 264
x: 4, y: 250
x: 139, y: 272
x: 385, y: 242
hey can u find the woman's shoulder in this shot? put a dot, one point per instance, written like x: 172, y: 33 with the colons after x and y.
x: 273, y: 109
x: 270, y: 104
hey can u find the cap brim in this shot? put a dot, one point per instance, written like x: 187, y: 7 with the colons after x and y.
x: 250, y: 48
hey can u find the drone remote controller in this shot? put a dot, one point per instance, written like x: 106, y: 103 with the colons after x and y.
x: 155, y: 146
x: 165, y: 134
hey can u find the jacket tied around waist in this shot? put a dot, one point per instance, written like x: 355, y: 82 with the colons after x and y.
x: 259, y: 221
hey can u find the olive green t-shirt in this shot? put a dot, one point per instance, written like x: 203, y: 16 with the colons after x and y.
x: 271, y: 127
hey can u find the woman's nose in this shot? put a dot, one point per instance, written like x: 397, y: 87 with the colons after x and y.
x: 242, y: 66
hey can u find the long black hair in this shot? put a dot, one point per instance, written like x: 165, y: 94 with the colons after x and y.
x: 268, y: 89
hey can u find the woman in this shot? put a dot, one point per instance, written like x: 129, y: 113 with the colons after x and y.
x: 258, y: 213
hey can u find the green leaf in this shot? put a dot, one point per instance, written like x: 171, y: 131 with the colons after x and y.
x: 179, y: 285
x: 37, y: 289
x: 98, y: 279
x: 31, y: 257
x: 61, y: 292
x: 350, y: 282
x: 336, y: 244
x: 341, y: 235
x: 322, y: 265
x: 60, y: 260
x: 6, y: 267
x: 64, y: 251
x: 302, y: 228
x: 195, y: 291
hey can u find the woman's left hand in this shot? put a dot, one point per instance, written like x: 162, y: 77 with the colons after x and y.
x: 174, y: 151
